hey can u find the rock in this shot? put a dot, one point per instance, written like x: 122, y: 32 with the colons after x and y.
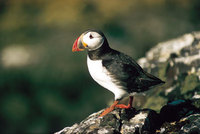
x: 176, y: 110
x: 177, y: 116
x: 192, y: 126
x: 144, y: 121
x: 118, y: 121
x: 188, y: 125
x: 178, y: 63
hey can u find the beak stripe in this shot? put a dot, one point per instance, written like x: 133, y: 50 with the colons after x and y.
x: 84, y: 44
x: 75, y: 47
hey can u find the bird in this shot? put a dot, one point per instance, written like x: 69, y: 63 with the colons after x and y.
x: 113, y: 70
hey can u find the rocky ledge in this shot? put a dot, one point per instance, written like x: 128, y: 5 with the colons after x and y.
x: 178, y: 117
x: 175, y: 106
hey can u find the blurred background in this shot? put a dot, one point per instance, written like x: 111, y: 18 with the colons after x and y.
x: 44, y: 86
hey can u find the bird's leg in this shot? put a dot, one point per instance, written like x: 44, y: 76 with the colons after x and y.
x: 115, y: 104
x: 126, y: 106
x: 110, y: 109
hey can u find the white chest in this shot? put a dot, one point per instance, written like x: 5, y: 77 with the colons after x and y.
x: 102, y: 77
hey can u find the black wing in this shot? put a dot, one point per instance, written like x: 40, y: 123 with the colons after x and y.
x: 127, y: 73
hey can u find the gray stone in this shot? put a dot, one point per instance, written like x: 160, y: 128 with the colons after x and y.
x: 144, y: 121
x: 120, y: 121
x: 193, y: 125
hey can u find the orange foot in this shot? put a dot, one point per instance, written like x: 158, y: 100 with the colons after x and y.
x: 115, y: 104
x: 110, y: 109
x: 123, y: 106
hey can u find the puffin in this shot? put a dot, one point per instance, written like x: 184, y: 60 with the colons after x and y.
x: 113, y: 70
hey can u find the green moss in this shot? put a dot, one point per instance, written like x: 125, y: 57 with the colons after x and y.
x: 155, y: 102
x: 162, y: 70
x: 190, y: 83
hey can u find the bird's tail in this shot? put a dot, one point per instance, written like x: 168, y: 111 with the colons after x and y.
x: 153, y: 80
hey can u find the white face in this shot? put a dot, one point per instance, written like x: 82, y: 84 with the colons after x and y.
x: 93, y: 40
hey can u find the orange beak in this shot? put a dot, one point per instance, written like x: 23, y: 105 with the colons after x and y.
x: 79, y: 45
x: 75, y: 45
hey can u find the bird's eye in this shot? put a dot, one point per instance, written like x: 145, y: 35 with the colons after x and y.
x: 91, y: 37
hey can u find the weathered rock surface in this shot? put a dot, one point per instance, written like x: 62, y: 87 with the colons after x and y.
x: 177, y: 116
x: 174, y: 107
x: 118, y: 121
